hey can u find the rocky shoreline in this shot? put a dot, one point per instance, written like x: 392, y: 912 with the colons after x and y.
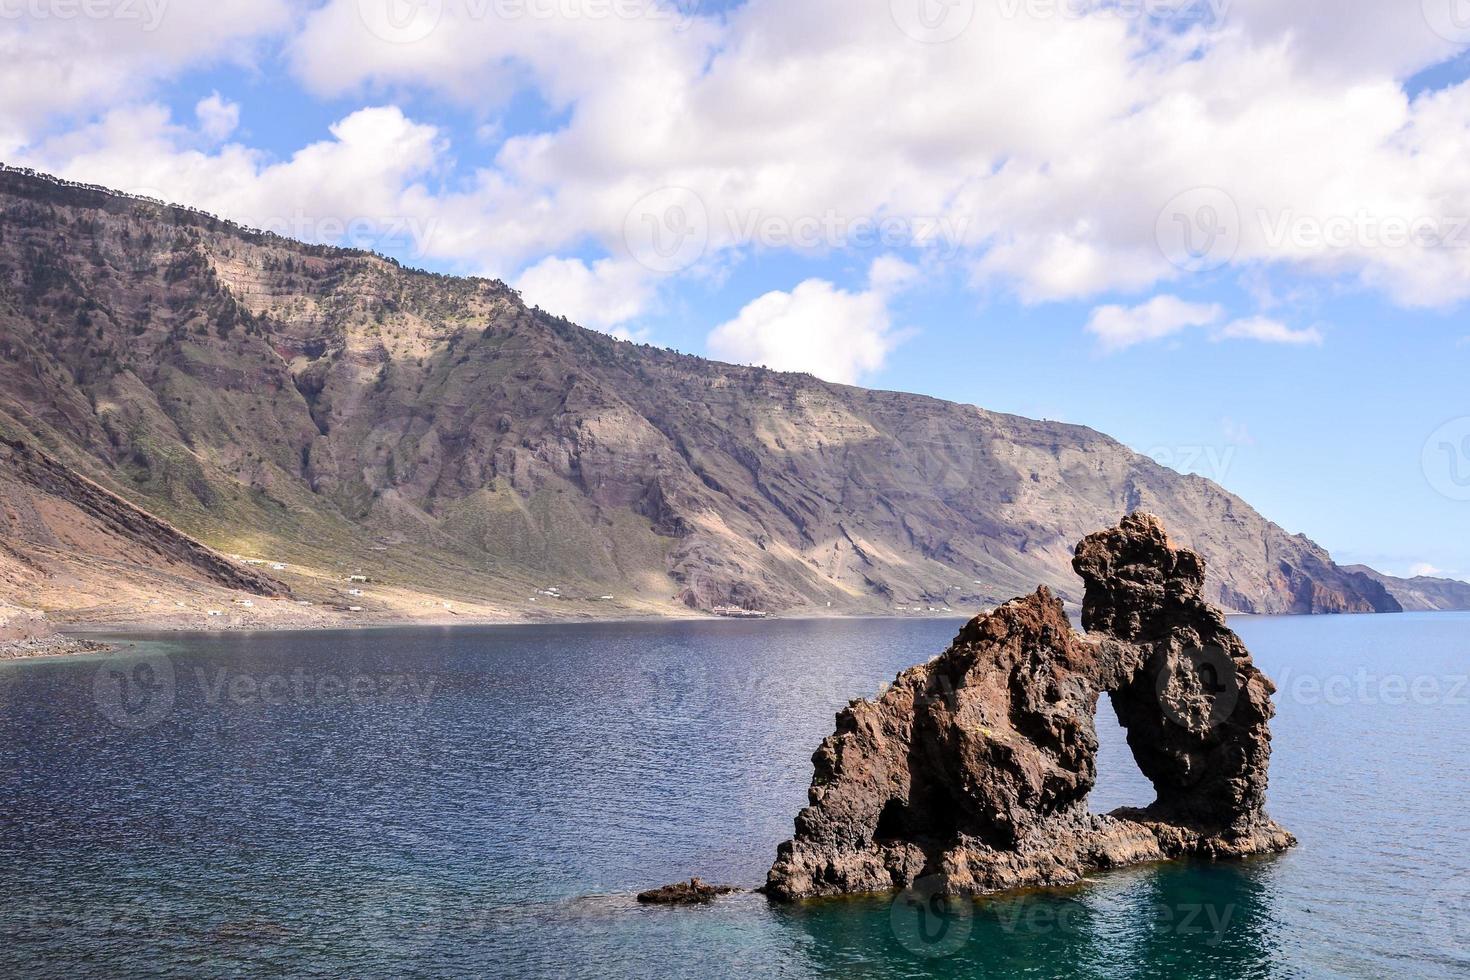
x: 52, y: 645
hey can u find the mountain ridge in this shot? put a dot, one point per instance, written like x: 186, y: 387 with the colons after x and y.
x: 331, y: 411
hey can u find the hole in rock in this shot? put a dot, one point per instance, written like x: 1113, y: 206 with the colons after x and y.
x: 894, y: 823
x: 1119, y: 782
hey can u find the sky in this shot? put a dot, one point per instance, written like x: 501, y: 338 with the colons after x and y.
x: 1233, y: 234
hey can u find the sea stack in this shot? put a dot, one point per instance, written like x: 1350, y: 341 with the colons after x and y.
x: 972, y: 771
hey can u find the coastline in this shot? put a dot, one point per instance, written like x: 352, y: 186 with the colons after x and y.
x: 53, y: 645
x: 94, y: 638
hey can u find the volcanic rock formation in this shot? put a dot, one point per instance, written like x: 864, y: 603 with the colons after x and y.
x: 972, y: 771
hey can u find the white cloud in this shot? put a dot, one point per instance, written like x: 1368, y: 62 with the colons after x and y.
x: 218, y: 117
x: 1046, y: 147
x: 50, y: 63
x: 603, y: 295
x: 1268, y: 331
x: 1424, y: 568
x: 1119, y: 327
x: 357, y: 188
x: 1289, y: 119
x: 818, y: 328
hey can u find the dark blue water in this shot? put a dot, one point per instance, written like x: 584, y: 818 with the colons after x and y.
x: 484, y: 802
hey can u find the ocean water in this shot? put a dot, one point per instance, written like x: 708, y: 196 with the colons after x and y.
x: 484, y: 802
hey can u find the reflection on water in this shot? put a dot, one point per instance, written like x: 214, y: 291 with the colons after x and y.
x: 485, y: 802
x: 1174, y: 920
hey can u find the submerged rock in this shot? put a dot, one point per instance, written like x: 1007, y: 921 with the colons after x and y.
x: 691, y: 892
x: 972, y: 771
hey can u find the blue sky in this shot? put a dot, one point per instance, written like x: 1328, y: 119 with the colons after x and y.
x: 1232, y: 243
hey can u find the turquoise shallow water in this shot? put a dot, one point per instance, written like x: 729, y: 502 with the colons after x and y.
x: 484, y: 802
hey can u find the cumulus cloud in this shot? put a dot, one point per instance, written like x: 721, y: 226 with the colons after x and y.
x: 1268, y: 331
x: 818, y: 328
x: 1043, y: 152
x: 218, y: 117
x: 1426, y: 569
x: 1120, y: 327
x: 1003, y: 136
x: 357, y: 188
x: 602, y: 295
x: 104, y: 54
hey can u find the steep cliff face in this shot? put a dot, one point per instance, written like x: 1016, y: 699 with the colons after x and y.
x: 971, y: 773
x: 1422, y: 593
x: 331, y: 409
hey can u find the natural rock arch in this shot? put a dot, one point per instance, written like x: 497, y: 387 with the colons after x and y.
x: 973, y: 770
